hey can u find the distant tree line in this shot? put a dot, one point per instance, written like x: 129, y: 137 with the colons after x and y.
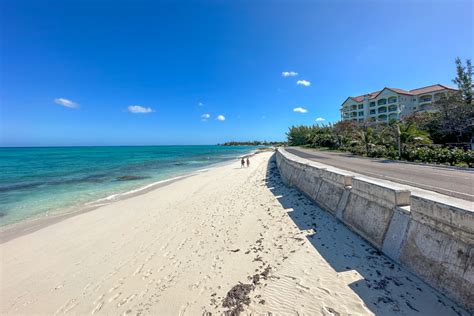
x: 254, y: 143
x: 434, y: 137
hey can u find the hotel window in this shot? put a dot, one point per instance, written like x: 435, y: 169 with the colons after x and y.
x: 361, y: 106
x: 372, y: 103
x: 361, y: 113
x: 372, y: 112
x: 382, y: 101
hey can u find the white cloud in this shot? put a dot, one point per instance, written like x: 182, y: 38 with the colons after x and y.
x: 300, y: 110
x: 220, y: 117
x: 289, y: 74
x: 303, y: 83
x: 139, y: 109
x: 205, y: 116
x: 200, y: 104
x: 320, y: 119
x: 67, y: 103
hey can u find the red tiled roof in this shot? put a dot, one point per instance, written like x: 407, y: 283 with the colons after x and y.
x: 429, y: 89
x: 400, y: 91
x: 360, y: 98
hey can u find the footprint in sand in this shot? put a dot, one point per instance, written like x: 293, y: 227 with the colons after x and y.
x: 98, y: 307
x: 330, y: 311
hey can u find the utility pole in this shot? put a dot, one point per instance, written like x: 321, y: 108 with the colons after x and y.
x: 399, y: 141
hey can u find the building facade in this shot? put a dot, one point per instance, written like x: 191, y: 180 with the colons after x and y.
x: 391, y: 103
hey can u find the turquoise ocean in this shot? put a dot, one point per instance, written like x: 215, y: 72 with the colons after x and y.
x: 46, y: 180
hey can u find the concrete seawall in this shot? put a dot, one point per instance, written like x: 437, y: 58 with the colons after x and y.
x: 431, y: 235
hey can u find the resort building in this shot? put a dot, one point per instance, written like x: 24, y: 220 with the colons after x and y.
x: 391, y: 103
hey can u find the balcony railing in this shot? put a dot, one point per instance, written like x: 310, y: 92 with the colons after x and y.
x: 439, y: 96
x: 426, y: 98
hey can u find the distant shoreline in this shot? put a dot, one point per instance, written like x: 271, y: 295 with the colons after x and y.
x: 126, y: 186
x: 254, y: 143
x: 31, y: 224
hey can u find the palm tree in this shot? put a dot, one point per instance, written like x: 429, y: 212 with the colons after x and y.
x: 367, y: 137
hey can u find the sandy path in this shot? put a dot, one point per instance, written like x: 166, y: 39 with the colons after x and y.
x: 181, y: 248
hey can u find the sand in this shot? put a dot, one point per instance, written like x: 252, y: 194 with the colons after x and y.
x: 230, y: 239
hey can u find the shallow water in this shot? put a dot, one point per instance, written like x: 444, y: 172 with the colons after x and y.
x: 35, y: 181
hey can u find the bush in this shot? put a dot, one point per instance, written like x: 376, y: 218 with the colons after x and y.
x: 440, y: 155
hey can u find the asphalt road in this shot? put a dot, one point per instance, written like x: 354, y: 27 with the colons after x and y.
x: 449, y: 181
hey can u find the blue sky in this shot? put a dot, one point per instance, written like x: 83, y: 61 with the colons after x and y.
x: 72, y: 71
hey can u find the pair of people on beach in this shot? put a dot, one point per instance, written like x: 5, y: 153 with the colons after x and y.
x: 242, y: 162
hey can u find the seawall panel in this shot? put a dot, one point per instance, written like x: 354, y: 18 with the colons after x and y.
x: 370, y: 209
x: 332, y: 188
x: 439, y: 247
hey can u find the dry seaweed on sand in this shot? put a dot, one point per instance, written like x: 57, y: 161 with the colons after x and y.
x: 236, y: 298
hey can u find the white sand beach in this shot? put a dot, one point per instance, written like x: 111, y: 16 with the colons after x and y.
x: 181, y: 248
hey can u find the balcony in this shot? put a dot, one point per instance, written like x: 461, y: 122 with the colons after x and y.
x: 382, y: 109
x: 382, y: 117
x: 393, y: 108
x: 372, y: 104
x: 439, y: 96
x: 424, y: 98
x: 425, y: 107
x: 382, y: 102
x: 354, y: 107
x: 392, y: 100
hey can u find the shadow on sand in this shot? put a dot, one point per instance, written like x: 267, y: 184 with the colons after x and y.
x: 385, y: 287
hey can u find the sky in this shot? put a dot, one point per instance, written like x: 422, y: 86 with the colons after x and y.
x: 91, y: 73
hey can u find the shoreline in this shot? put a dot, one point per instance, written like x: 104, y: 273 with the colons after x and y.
x: 31, y: 224
x: 229, y: 240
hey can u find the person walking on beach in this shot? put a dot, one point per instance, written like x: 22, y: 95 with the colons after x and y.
x: 242, y: 163
x: 248, y: 162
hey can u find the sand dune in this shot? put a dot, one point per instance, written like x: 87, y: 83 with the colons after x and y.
x: 229, y: 239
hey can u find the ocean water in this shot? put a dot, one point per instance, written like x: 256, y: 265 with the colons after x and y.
x: 38, y: 181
